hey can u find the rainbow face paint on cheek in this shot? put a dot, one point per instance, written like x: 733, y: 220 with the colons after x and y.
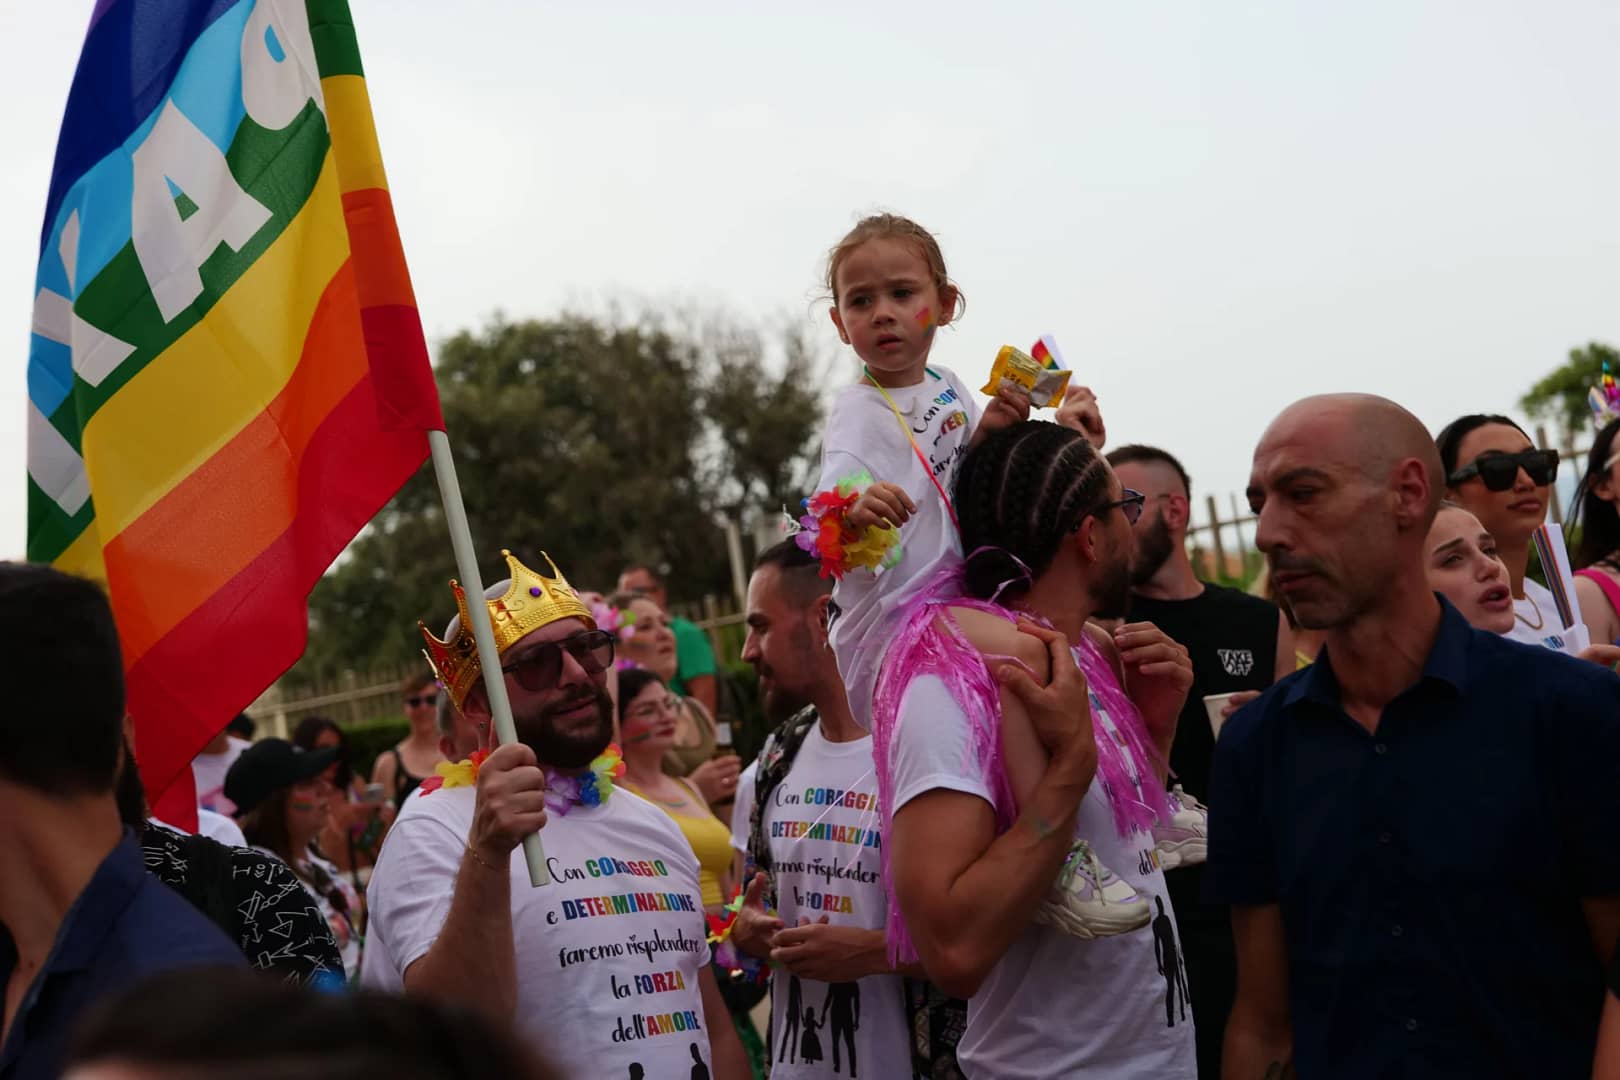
x: 925, y: 320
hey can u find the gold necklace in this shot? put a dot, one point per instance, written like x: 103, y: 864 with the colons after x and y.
x: 1541, y: 620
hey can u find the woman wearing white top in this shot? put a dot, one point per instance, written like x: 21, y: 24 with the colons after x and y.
x: 282, y: 805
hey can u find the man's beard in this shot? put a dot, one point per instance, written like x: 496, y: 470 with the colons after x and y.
x: 131, y: 796
x: 1112, y: 591
x: 567, y: 750
x: 779, y: 701
x: 1153, y: 547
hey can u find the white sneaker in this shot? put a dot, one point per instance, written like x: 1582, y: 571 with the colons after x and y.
x: 1088, y: 901
x: 1185, y: 840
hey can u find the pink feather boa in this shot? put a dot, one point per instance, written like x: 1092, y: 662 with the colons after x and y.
x: 931, y: 643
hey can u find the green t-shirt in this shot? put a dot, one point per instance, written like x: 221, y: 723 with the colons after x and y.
x: 693, y: 656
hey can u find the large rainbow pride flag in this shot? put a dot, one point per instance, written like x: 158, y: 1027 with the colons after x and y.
x: 227, y: 376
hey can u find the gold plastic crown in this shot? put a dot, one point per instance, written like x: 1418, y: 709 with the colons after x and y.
x: 532, y: 600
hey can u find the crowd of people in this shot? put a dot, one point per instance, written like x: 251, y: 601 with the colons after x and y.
x: 1035, y: 798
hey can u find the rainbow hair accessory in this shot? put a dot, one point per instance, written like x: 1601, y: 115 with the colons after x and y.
x: 1605, y: 398
x: 824, y: 531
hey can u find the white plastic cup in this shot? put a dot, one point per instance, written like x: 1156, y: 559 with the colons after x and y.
x: 1215, y: 705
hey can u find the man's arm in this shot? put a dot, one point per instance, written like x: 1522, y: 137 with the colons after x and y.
x: 966, y: 892
x: 817, y: 950
x: 471, y: 961
x: 1259, y: 1034
x: 725, y: 1048
x: 1285, y: 647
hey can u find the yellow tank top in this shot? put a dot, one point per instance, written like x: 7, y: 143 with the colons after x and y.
x: 711, y: 843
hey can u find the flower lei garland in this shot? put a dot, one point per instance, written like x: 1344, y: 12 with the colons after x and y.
x: 824, y: 531
x: 563, y: 793
x: 726, y: 953
x: 590, y: 788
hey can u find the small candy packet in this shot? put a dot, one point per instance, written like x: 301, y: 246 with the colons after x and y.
x: 1014, y: 367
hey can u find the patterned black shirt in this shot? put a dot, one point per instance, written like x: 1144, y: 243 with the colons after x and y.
x: 257, y: 900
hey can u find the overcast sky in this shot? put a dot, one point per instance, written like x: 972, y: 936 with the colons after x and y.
x: 1216, y: 208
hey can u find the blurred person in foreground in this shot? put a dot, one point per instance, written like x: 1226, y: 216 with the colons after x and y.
x: 80, y: 919
x: 230, y: 1026
x: 1389, y: 921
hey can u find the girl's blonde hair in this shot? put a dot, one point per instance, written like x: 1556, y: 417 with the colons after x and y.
x: 895, y: 227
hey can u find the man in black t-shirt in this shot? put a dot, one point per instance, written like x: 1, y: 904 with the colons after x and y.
x: 1237, y: 642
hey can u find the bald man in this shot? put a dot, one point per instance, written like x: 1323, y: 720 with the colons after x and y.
x: 1415, y: 833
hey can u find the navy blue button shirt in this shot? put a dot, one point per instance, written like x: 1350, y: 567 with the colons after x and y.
x: 125, y: 924
x: 1430, y: 874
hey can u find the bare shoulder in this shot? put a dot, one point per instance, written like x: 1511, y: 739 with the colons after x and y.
x: 994, y: 635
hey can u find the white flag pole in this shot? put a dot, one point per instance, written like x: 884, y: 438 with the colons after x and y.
x: 455, y: 515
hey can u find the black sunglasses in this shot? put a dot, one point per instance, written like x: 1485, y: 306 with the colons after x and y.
x: 1130, y: 506
x: 540, y: 669
x: 422, y: 699
x: 1498, y: 471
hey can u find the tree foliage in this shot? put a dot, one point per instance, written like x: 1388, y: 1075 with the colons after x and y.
x: 1561, y: 396
x: 600, y: 441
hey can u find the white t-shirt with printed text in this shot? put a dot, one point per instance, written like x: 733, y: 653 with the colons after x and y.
x: 608, y: 953
x: 824, y: 831
x: 742, y: 809
x: 1055, y: 1005
x: 863, y: 434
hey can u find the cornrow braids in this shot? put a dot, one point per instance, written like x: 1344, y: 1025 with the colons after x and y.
x: 1018, y: 493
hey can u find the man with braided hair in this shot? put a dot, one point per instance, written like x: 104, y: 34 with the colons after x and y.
x: 1047, y: 528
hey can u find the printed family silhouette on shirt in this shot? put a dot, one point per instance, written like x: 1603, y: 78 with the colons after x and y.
x: 841, y: 1009
x: 700, y: 1071
x: 1168, y: 955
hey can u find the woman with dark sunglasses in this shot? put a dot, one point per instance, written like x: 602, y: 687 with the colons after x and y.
x: 401, y: 768
x: 1495, y: 472
x: 1597, y: 556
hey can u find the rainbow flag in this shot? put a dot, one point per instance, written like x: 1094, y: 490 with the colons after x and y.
x: 227, y: 376
x: 1046, y: 353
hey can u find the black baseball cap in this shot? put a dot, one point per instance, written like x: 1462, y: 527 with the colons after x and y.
x: 270, y: 765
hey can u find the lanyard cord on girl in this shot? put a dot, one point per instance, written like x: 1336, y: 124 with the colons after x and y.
x: 922, y: 457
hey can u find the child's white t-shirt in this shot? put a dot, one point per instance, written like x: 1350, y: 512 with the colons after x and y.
x: 863, y: 434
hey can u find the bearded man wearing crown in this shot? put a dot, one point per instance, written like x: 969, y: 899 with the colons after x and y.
x: 606, y: 967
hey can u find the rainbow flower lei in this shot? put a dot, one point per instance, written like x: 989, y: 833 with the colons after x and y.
x: 454, y: 774
x: 563, y: 792
x: 824, y: 531
x: 590, y: 788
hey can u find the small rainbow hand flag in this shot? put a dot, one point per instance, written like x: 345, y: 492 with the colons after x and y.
x: 1046, y: 351
x: 227, y: 376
